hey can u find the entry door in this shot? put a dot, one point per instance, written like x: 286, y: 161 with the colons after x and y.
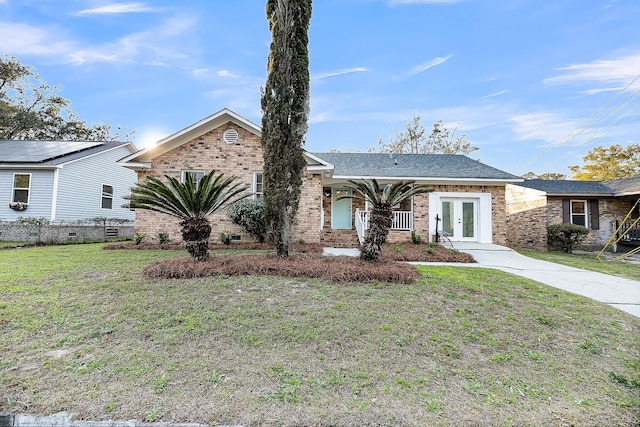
x: 460, y: 219
x: 341, y: 209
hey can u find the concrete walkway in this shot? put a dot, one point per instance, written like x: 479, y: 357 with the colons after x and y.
x: 623, y: 294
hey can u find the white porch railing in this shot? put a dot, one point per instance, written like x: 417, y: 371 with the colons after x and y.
x: 402, y: 220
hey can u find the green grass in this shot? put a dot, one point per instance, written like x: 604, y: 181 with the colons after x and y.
x: 82, y: 331
x: 621, y: 268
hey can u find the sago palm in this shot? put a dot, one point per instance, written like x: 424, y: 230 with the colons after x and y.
x: 382, y: 201
x: 190, y: 202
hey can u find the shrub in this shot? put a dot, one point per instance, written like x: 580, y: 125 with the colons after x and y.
x: 138, y: 238
x: 225, y: 238
x: 163, y: 238
x: 249, y: 214
x: 565, y: 236
x: 430, y: 251
x: 415, y: 238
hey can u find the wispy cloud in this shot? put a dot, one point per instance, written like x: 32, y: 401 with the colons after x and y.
x: 116, y: 9
x: 622, y: 69
x: 491, y: 95
x: 156, y: 46
x: 433, y: 63
x: 549, y: 127
x: 340, y: 72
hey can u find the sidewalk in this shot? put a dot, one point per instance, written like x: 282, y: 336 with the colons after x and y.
x: 623, y: 294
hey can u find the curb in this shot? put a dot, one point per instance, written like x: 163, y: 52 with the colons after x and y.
x: 64, y: 419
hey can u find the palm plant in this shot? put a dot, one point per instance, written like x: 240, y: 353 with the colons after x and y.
x: 381, y: 217
x: 190, y: 202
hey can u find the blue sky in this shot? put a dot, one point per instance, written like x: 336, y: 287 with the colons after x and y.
x: 535, y: 84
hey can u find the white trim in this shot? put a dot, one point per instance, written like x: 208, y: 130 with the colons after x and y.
x: 458, y: 181
x: 54, y: 196
x: 586, y: 211
x: 14, y: 188
x: 485, y: 219
x: 102, y: 196
x: 183, y: 173
x: 255, y: 184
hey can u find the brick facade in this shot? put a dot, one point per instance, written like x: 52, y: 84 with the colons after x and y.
x: 530, y: 211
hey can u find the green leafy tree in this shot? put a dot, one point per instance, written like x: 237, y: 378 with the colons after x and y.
x: 382, y: 201
x: 412, y: 140
x: 190, y: 202
x: 30, y: 109
x: 285, y: 112
x: 606, y: 163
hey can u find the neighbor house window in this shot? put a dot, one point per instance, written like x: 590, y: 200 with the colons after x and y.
x: 196, y: 176
x: 21, y: 187
x: 579, y: 212
x: 107, y: 196
x: 258, y: 192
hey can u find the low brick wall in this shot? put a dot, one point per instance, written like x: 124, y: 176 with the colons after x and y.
x: 57, y: 233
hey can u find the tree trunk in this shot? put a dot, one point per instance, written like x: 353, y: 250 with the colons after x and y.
x: 380, y: 224
x: 195, y: 233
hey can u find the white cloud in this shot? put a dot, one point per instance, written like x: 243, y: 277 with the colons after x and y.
x: 492, y: 95
x: 340, y: 72
x: 156, y: 46
x: 116, y: 9
x: 551, y: 128
x: 619, y: 70
x: 227, y: 74
x: 427, y: 65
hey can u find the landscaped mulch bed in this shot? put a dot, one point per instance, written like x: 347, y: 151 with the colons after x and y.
x: 305, y: 260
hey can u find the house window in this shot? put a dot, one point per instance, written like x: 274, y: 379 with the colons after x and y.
x: 579, y: 212
x: 21, y: 187
x: 196, y: 176
x: 258, y: 192
x: 107, y: 196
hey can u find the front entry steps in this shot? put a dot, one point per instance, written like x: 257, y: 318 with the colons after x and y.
x: 339, y: 238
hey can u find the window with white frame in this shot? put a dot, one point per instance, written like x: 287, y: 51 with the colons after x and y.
x: 107, y: 197
x: 579, y: 212
x: 21, y: 187
x: 258, y: 192
x: 196, y: 176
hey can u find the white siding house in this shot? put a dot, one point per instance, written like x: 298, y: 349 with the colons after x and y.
x: 64, y: 181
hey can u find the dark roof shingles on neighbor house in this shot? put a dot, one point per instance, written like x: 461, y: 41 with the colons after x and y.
x: 50, y: 153
x: 411, y: 166
x: 618, y: 187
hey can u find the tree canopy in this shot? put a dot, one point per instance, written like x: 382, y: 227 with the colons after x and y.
x: 412, y: 140
x: 546, y: 176
x: 606, y: 163
x: 30, y: 109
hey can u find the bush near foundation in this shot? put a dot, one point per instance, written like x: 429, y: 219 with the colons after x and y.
x: 566, y: 236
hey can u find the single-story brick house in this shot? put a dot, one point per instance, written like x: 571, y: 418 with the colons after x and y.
x: 468, y: 201
x: 534, y: 204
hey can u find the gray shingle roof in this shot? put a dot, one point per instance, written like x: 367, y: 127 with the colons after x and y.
x: 50, y: 153
x: 419, y: 166
x: 593, y: 188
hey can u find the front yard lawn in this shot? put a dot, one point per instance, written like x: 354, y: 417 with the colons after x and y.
x: 82, y: 330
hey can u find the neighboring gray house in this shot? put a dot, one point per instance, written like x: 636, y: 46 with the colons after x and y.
x: 64, y: 181
x: 601, y: 206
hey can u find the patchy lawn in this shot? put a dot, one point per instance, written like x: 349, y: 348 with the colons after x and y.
x: 83, y: 330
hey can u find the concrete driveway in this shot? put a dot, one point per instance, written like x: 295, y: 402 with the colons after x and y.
x: 623, y: 294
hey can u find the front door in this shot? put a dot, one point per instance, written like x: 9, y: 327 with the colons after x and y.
x: 341, y: 209
x: 459, y: 219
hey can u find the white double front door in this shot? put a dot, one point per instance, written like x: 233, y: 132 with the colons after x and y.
x: 459, y: 218
x: 463, y: 216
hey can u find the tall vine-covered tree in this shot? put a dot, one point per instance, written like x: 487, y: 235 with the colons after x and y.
x: 285, y: 113
x: 30, y: 109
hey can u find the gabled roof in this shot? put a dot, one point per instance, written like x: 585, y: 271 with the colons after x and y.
x: 625, y: 186
x: 51, y: 154
x: 432, y: 167
x: 142, y: 159
x: 562, y: 187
